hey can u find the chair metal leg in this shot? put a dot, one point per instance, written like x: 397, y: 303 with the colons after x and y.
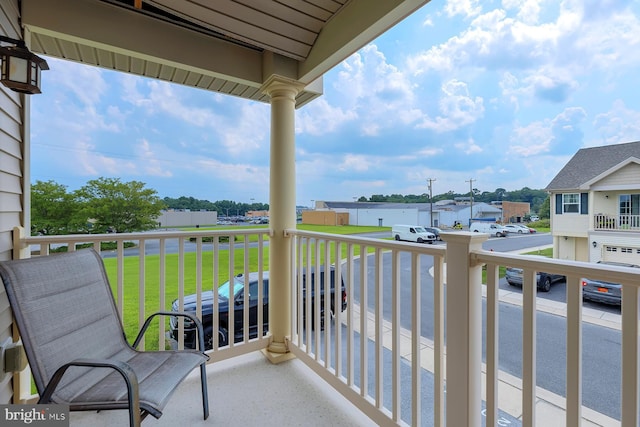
x: 205, y: 396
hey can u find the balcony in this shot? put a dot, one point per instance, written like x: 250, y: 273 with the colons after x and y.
x: 398, y: 341
x: 607, y: 222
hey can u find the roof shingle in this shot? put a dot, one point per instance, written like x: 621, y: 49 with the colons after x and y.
x: 588, y: 163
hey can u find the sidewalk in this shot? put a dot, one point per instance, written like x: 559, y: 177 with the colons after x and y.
x: 550, y: 407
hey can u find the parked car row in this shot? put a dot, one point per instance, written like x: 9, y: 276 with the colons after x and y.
x: 592, y: 290
x: 420, y: 234
x: 519, y: 228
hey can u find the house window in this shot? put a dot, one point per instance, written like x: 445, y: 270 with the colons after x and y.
x: 629, y: 204
x: 571, y: 203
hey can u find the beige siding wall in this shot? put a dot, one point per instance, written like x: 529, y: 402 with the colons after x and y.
x: 571, y: 225
x: 604, y: 202
x: 11, y: 167
x: 627, y: 177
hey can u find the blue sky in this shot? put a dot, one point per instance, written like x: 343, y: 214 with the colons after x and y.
x: 499, y: 92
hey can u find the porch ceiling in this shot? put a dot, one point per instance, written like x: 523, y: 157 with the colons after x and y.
x: 226, y: 46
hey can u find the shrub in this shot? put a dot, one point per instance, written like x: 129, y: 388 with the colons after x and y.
x: 104, y: 246
x: 209, y: 239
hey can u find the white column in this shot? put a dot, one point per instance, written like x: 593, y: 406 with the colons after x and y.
x: 282, y: 208
x: 464, y: 330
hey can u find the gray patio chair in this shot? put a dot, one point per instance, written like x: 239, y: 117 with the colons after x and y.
x: 75, y: 342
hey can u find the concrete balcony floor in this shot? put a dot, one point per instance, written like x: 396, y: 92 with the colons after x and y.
x: 247, y: 390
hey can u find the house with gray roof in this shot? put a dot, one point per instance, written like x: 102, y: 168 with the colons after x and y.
x: 595, y: 205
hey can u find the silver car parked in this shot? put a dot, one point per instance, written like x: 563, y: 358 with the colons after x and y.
x: 606, y: 292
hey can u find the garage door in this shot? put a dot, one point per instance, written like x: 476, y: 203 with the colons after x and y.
x: 629, y: 255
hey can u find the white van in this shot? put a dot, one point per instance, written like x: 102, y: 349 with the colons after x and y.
x: 489, y: 227
x: 412, y: 233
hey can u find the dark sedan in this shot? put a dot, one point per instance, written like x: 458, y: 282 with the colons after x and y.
x: 606, y: 292
x: 544, y: 280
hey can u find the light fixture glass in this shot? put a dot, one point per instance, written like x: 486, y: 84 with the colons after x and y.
x: 20, y: 69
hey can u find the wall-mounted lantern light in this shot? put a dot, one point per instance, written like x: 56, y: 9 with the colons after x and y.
x: 20, y: 69
x: 594, y: 244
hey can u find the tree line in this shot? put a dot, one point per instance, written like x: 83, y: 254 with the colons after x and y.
x: 535, y: 198
x: 223, y: 207
x: 106, y: 205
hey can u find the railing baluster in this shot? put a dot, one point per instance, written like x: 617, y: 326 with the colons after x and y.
x: 395, y: 335
x: 337, y: 309
x: 215, y: 327
x: 247, y: 296
x: 231, y: 327
x: 305, y: 296
x: 416, y: 338
x: 141, y: 289
x: 630, y: 356
x: 261, y: 290
x: 326, y: 317
x: 181, y: 290
x: 162, y: 291
x: 313, y: 293
x: 364, y: 298
x: 120, y: 274
x: 492, y: 345
x: 350, y: 281
x: 378, y: 343
x: 574, y: 352
x: 198, y: 277
x: 529, y: 348
x: 438, y: 334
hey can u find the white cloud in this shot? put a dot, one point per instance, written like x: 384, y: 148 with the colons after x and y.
x: 457, y: 108
x: 468, y: 147
x: 428, y: 21
x: 560, y: 135
x: 85, y: 83
x: 531, y: 139
x: 321, y: 117
x: 620, y: 124
x: 247, y: 131
x: 149, y: 164
x: 375, y: 92
x: 465, y: 8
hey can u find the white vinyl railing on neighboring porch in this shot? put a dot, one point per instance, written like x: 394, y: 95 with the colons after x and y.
x: 366, y: 351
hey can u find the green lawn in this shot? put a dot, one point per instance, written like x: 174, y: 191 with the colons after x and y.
x: 548, y: 252
x: 152, y: 280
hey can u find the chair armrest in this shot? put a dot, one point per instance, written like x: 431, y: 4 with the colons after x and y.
x: 121, y: 367
x: 195, y: 320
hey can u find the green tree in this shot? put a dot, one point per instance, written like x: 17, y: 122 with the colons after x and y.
x: 53, y: 210
x: 121, y: 206
x: 544, y: 212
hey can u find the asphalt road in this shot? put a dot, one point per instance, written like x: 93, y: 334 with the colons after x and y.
x: 601, y: 346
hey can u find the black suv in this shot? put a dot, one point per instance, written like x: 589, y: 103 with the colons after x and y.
x: 239, y: 304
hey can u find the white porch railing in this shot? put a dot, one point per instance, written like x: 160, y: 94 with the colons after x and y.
x: 616, y: 222
x: 359, y: 352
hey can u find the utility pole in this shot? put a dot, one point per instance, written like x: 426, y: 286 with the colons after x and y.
x: 430, y: 180
x: 471, y: 198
